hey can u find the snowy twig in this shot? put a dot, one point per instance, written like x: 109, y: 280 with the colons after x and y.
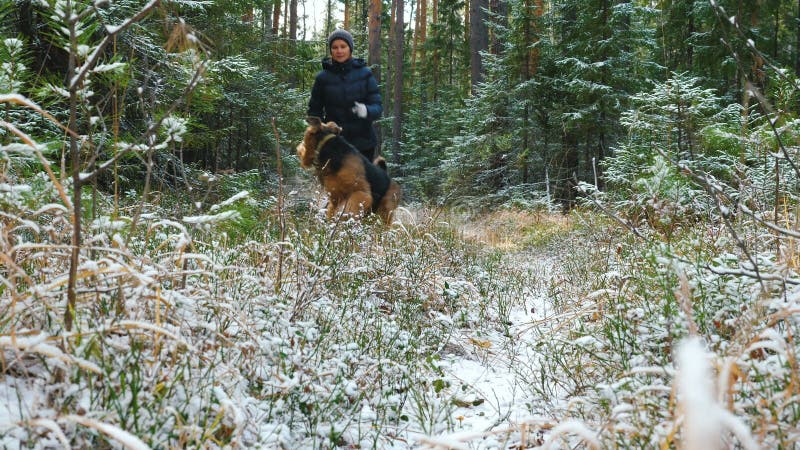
x: 112, y: 32
x: 749, y: 87
x: 717, y: 193
x: 605, y: 210
x: 754, y: 274
x: 281, y: 218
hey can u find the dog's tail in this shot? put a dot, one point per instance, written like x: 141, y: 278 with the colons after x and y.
x: 380, y: 162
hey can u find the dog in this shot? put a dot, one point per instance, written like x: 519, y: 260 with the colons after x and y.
x: 355, y: 185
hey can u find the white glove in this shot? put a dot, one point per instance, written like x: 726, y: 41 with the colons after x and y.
x: 360, y: 110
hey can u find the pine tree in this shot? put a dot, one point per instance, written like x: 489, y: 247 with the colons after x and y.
x: 600, y: 47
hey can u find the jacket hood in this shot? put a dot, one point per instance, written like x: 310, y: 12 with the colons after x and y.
x: 352, y: 63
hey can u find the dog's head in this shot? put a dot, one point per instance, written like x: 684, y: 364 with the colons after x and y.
x: 316, y: 131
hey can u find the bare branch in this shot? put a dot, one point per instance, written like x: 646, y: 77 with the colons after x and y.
x: 91, y: 61
x: 153, y: 128
x: 770, y: 225
x: 754, y: 274
x: 608, y: 212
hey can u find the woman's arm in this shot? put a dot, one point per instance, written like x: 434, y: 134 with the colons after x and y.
x: 316, y: 104
x: 373, y: 99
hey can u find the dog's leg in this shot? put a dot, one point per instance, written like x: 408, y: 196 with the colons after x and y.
x: 357, y: 203
x: 334, y: 207
x: 389, y: 203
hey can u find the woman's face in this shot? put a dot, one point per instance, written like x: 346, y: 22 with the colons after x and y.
x: 340, y: 51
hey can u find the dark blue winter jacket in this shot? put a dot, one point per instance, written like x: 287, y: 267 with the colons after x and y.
x: 336, y: 89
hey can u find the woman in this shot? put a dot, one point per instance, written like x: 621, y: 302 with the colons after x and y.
x: 346, y: 92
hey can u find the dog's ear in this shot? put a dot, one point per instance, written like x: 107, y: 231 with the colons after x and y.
x: 314, y: 121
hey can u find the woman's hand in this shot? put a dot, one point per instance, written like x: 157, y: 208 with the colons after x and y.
x: 360, y: 110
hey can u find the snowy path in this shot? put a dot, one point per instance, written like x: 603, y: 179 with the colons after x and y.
x: 488, y: 376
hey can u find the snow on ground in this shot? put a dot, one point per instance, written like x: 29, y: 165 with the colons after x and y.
x: 485, y: 376
x: 18, y: 397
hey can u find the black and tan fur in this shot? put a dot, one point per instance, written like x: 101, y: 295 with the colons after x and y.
x: 355, y: 185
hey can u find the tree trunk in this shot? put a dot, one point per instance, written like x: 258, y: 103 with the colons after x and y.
x: 291, y: 43
x: 467, y: 13
x: 531, y: 38
x: 374, y: 54
x: 500, y: 11
x: 530, y: 63
x: 388, y: 86
x: 329, y: 17
x: 478, y: 40
x: 689, y: 33
x: 524, y: 157
x: 347, y: 13
x: 305, y: 20
x: 776, y: 31
x: 757, y: 69
x: 374, y: 38
x: 415, y: 45
x: 605, y: 78
x: 265, y: 20
x: 568, y: 170
x: 423, y: 27
x: 229, y: 153
x: 72, y: 282
x: 285, y: 30
x: 436, y: 53
x: 276, y: 17
x: 293, y: 24
x: 797, y: 43
x: 397, y: 122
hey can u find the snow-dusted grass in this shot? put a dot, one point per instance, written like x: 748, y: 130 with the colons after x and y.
x: 184, y: 339
x: 543, y: 331
x: 607, y: 357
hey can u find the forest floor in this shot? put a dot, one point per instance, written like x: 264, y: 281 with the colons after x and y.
x: 466, y: 330
x: 488, y: 367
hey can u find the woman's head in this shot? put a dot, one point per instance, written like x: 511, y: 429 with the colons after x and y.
x: 340, y: 45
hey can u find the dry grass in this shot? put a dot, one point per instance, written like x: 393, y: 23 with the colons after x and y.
x: 513, y: 230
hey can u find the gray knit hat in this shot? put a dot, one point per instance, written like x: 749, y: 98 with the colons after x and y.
x: 343, y: 35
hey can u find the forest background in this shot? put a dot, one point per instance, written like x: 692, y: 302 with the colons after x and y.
x: 166, y: 279
x: 484, y: 103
